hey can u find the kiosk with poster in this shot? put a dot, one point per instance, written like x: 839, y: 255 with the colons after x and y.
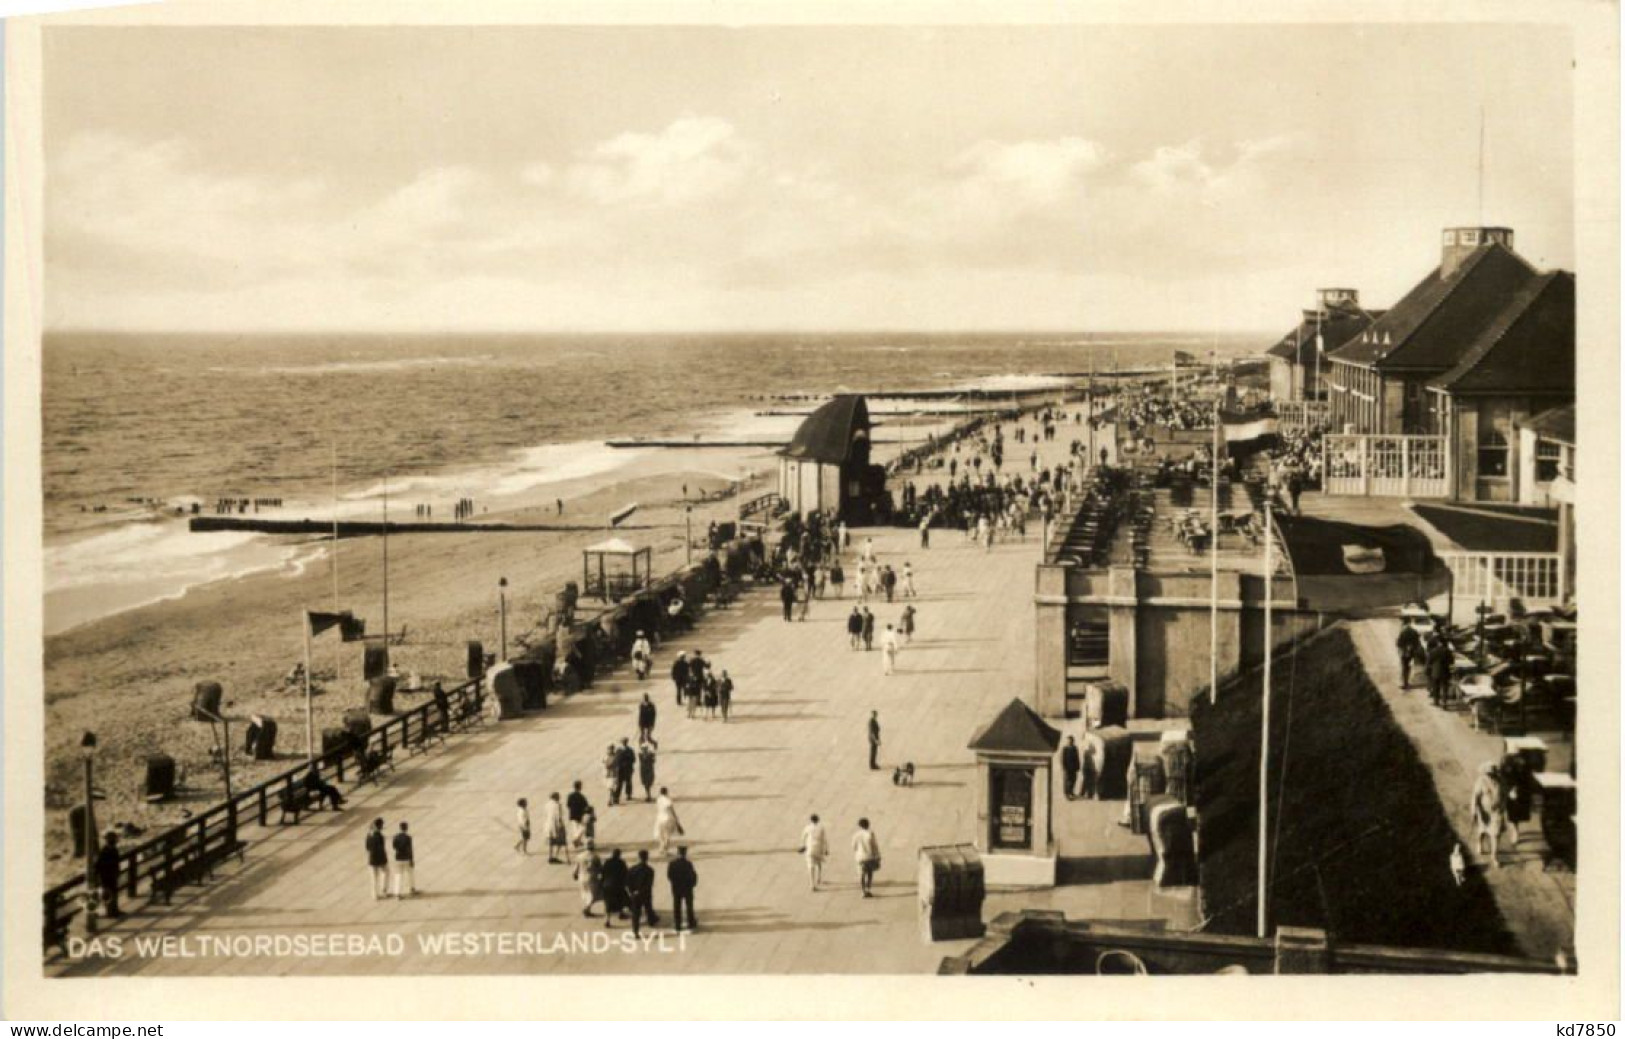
x: 1014, y: 757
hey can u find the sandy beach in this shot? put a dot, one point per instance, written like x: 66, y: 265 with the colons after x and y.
x: 129, y: 677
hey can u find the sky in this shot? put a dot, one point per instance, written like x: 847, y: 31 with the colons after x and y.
x: 537, y: 178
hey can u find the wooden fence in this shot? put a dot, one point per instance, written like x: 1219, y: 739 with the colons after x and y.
x: 1387, y: 465
x: 1536, y: 578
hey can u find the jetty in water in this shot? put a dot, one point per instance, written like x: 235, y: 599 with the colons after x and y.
x: 374, y: 528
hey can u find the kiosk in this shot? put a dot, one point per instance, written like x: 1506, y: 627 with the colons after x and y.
x: 1015, y: 755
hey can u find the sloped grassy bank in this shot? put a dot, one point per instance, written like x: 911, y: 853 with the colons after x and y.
x: 1363, y: 844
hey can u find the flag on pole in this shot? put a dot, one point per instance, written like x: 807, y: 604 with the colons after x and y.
x: 1247, y: 432
x: 351, y: 628
x: 1346, y: 567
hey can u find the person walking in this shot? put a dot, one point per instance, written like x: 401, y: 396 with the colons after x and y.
x: 642, y: 657
x: 1409, y: 644
x: 1071, y: 765
x: 787, y: 597
x: 589, y: 877
x: 837, y: 577
x: 805, y: 601
x: 640, y: 891
x: 578, y: 806
x: 866, y: 852
x: 854, y: 627
x: 646, y: 770
x: 553, y: 824
x: 725, y: 693
x: 874, y: 740
x: 405, y: 882
x: 925, y: 532
x: 646, y: 721
x: 888, y: 582
x: 681, y: 876
x: 626, y: 767
x: 667, y: 825
x: 378, y: 859
x: 679, y: 676
x: 612, y: 879
x: 107, y: 875
x: 612, y: 781
x: 1488, y: 808
x: 815, y: 847
x: 868, y: 629
x: 522, y: 825
x: 908, y: 581
x: 1438, y: 662
x: 906, y: 624
x: 888, y: 650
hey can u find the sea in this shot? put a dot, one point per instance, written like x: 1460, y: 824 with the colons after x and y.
x: 136, y: 427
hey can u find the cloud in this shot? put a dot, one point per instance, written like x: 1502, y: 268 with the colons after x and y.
x: 692, y: 220
x: 693, y: 159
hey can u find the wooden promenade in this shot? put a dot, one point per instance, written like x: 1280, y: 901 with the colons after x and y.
x: 796, y: 745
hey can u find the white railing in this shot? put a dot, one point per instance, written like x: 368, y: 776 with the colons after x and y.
x: 1495, y: 577
x: 1387, y: 465
x: 1299, y: 415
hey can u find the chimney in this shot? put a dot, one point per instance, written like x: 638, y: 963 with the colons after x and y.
x: 1339, y: 299
x: 1460, y: 242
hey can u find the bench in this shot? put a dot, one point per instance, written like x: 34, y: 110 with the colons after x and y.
x: 193, y: 862
x: 373, y: 764
x: 296, y: 799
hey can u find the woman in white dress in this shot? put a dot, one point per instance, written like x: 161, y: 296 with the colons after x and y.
x: 815, y: 846
x: 667, y: 825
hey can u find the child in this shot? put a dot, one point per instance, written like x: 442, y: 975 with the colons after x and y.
x: 522, y: 845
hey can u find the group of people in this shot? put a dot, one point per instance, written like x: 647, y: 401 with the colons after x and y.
x: 699, y: 689
x: 399, y: 881
x: 814, y: 849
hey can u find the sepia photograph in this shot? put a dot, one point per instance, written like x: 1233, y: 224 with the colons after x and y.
x: 506, y: 496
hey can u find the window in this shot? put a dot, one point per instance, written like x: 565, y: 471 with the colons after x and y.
x: 1492, y: 446
x: 1548, y: 460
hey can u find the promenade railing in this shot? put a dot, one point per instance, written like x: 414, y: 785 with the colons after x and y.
x: 189, y: 852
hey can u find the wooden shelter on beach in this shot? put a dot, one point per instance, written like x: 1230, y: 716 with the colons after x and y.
x: 826, y: 468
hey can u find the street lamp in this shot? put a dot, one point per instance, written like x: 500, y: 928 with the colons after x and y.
x: 688, y: 531
x: 502, y: 597
x: 87, y: 750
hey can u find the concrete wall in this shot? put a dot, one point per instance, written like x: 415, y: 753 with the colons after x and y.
x: 1161, y: 632
x: 1037, y: 941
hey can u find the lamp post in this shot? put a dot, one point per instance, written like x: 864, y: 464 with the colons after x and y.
x: 688, y: 531
x: 87, y: 750
x: 502, y: 599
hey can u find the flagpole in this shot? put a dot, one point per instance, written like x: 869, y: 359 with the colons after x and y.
x: 310, y: 709
x: 386, y: 569
x: 1264, y: 743
x: 338, y: 652
x: 1213, y: 586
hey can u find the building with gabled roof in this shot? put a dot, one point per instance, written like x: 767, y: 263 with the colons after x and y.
x: 1298, y: 359
x: 1481, y: 343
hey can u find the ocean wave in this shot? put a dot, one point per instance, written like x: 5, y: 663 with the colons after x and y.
x: 403, y: 364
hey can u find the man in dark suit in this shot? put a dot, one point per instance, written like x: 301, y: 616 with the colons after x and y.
x: 626, y: 766
x: 680, y: 874
x: 1071, y: 765
x: 679, y: 675
x: 378, y: 859
x: 1409, y: 645
x: 874, y: 739
x: 323, y: 790
x: 1439, y: 659
x: 646, y: 722
x: 107, y: 874
x: 640, y: 889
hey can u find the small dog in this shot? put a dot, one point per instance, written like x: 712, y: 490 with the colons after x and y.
x: 903, y: 775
